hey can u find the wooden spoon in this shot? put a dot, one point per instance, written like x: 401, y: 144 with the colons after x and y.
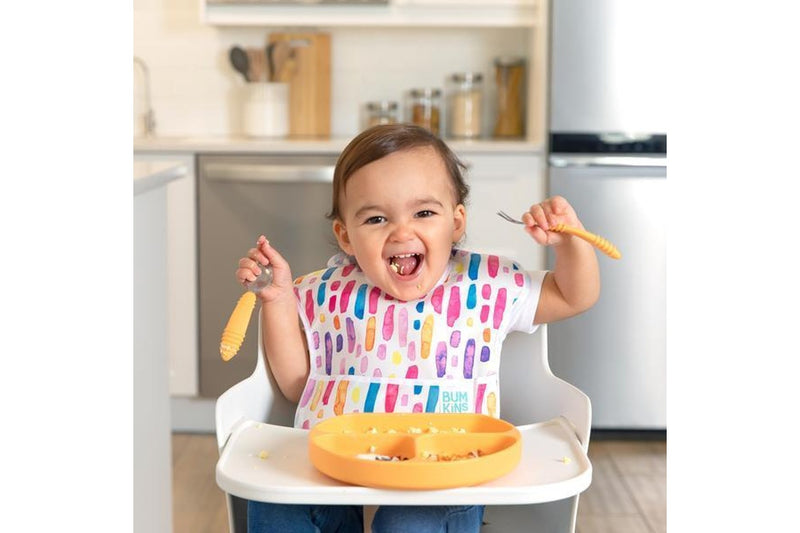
x: 257, y: 64
x: 281, y: 53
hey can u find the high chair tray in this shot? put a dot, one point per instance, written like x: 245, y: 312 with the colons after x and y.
x: 414, y: 450
x: 264, y: 462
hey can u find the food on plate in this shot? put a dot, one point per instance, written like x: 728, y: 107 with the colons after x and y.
x: 472, y: 454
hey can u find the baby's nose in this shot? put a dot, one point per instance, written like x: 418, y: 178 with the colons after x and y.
x: 402, y: 232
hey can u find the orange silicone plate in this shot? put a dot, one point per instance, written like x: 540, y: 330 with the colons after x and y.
x: 431, y: 450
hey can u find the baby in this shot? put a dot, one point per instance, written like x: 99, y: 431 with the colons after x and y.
x: 402, y: 320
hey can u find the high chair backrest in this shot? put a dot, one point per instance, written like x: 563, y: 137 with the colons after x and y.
x: 530, y: 392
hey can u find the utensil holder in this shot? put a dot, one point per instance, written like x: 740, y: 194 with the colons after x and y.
x: 266, y: 109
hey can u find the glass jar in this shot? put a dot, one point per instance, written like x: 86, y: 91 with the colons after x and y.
x: 424, y: 108
x: 510, y: 78
x: 465, y: 97
x: 380, y: 112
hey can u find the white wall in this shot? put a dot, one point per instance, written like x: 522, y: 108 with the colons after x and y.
x: 194, y: 88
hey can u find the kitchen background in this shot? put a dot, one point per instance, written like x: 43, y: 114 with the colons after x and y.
x: 183, y: 76
x: 603, y: 99
x: 196, y: 92
x: 733, y: 116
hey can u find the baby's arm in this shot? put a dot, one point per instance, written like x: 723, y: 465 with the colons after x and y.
x: 283, y: 339
x: 574, y: 284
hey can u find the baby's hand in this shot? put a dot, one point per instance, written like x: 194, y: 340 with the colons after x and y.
x: 259, y: 257
x: 544, y: 215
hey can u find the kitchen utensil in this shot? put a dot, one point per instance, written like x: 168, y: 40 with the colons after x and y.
x: 271, y: 73
x: 281, y: 51
x: 414, y: 450
x: 288, y: 69
x: 235, y: 329
x: 258, y: 64
x: 598, y: 242
x: 240, y: 61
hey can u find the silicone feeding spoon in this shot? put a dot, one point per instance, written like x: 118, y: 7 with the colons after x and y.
x: 233, y: 334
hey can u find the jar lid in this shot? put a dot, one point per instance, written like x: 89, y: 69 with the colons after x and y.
x: 461, y: 77
x: 382, y: 105
x: 509, y: 61
x: 419, y: 93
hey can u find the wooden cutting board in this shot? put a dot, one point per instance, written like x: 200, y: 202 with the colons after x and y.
x: 308, y: 72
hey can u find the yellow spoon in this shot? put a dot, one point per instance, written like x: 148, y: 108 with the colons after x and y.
x: 233, y: 334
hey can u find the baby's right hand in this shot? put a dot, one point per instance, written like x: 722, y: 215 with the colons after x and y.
x: 257, y: 258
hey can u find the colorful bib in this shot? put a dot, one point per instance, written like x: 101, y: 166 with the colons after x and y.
x: 372, y: 353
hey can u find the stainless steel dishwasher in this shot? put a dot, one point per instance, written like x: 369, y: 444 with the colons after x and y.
x: 285, y: 197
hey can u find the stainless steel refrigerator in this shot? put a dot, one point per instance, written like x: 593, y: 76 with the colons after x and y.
x: 607, y: 156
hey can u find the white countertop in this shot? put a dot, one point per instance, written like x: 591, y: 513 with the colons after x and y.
x: 234, y: 144
x: 149, y: 175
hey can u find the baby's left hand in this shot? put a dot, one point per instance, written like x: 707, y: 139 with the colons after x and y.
x: 541, y: 216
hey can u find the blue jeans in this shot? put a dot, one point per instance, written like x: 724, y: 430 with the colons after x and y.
x: 286, y: 518
x: 428, y: 519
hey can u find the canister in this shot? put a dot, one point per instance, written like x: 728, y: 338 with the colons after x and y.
x: 465, y: 96
x: 424, y: 107
x: 266, y: 109
x: 510, y: 79
x: 380, y: 112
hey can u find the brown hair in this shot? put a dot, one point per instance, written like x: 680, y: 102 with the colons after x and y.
x: 379, y: 141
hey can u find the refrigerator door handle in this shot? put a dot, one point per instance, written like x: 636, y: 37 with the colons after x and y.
x: 584, y: 161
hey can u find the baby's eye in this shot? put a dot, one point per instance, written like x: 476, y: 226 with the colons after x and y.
x: 425, y: 213
x: 377, y: 219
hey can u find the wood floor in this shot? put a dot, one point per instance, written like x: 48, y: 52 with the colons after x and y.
x: 628, y: 493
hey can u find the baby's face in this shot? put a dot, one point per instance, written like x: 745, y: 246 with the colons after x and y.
x: 400, y: 220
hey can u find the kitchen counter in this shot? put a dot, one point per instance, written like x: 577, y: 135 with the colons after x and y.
x: 149, y: 175
x: 245, y: 145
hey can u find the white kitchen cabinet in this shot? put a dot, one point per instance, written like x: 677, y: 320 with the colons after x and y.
x: 484, y: 13
x: 181, y: 275
x: 508, y: 182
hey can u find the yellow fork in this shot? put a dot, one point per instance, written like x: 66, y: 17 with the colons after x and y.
x: 597, y: 241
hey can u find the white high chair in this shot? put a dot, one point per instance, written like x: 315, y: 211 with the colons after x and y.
x: 553, y: 417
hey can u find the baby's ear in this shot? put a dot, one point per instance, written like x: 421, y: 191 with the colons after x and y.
x: 342, y: 237
x: 459, y: 222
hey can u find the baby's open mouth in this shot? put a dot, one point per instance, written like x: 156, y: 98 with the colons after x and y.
x: 405, y: 264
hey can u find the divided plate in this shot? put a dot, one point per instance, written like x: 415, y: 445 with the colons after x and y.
x: 414, y: 450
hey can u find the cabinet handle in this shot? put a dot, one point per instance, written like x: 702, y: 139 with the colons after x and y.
x: 267, y: 173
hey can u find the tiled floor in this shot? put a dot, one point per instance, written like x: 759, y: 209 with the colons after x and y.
x: 628, y: 492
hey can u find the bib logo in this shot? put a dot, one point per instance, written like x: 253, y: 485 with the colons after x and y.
x: 455, y: 402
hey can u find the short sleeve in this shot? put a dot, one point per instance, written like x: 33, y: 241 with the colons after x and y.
x: 525, y: 307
